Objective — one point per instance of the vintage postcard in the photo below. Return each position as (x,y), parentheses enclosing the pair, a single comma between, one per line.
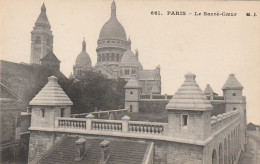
(119,81)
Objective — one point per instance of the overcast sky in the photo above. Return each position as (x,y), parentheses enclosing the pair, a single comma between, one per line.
(210,47)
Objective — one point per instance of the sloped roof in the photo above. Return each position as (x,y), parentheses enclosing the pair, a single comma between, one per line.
(232,83)
(148,75)
(50,57)
(189,97)
(5,92)
(26,80)
(133,83)
(121,151)
(51,94)
(42,20)
(208,90)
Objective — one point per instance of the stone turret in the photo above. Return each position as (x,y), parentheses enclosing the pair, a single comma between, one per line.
(189,111)
(49,103)
(132,93)
(234,100)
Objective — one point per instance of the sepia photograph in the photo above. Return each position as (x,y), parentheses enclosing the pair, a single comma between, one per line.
(129,82)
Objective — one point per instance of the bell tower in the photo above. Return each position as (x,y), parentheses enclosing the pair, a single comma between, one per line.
(41,38)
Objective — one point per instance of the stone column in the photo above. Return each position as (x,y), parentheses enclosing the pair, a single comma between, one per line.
(125,120)
(89,118)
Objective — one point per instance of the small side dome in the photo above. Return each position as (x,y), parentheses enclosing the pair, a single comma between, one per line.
(129,58)
(83,59)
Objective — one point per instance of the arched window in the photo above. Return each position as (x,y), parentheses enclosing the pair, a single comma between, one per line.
(214,157)
(113,57)
(225,151)
(38,39)
(107,56)
(220,154)
(133,72)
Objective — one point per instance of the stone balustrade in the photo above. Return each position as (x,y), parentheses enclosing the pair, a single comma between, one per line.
(147,127)
(70,123)
(217,122)
(121,126)
(155,97)
(106,125)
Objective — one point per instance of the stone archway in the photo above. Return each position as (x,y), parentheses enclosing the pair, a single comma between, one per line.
(214,157)
(220,154)
(225,152)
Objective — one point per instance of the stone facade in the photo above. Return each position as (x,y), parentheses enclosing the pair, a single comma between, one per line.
(41,38)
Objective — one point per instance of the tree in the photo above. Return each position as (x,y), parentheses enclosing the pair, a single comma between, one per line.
(93,90)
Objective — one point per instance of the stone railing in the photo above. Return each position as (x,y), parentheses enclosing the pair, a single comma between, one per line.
(120,126)
(70,123)
(147,127)
(217,122)
(106,125)
(155,97)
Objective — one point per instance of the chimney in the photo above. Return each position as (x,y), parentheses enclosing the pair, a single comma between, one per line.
(81,149)
(105,154)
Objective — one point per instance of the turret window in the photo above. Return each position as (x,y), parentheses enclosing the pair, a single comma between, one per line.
(113,57)
(42,113)
(62,112)
(234,94)
(127,72)
(184,120)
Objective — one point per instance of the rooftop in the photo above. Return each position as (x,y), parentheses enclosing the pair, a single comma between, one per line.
(189,96)
(232,83)
(51,94)
(133,83)
(121,151)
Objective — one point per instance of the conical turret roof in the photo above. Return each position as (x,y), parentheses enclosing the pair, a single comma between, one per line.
(232,83)
(51,94)
(133,83)
(189,97)
(42,20)
(208,90)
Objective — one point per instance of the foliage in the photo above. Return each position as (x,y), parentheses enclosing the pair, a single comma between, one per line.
(92,90)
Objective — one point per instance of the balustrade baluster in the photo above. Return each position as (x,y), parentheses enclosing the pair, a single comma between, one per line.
(116,127)
(152,129)
(149,129)
(145,129)
(120,127)
(156,129)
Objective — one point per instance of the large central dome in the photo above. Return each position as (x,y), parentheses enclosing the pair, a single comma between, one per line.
(112,29)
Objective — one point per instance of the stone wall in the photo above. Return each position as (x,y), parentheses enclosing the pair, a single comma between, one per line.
(40,142)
